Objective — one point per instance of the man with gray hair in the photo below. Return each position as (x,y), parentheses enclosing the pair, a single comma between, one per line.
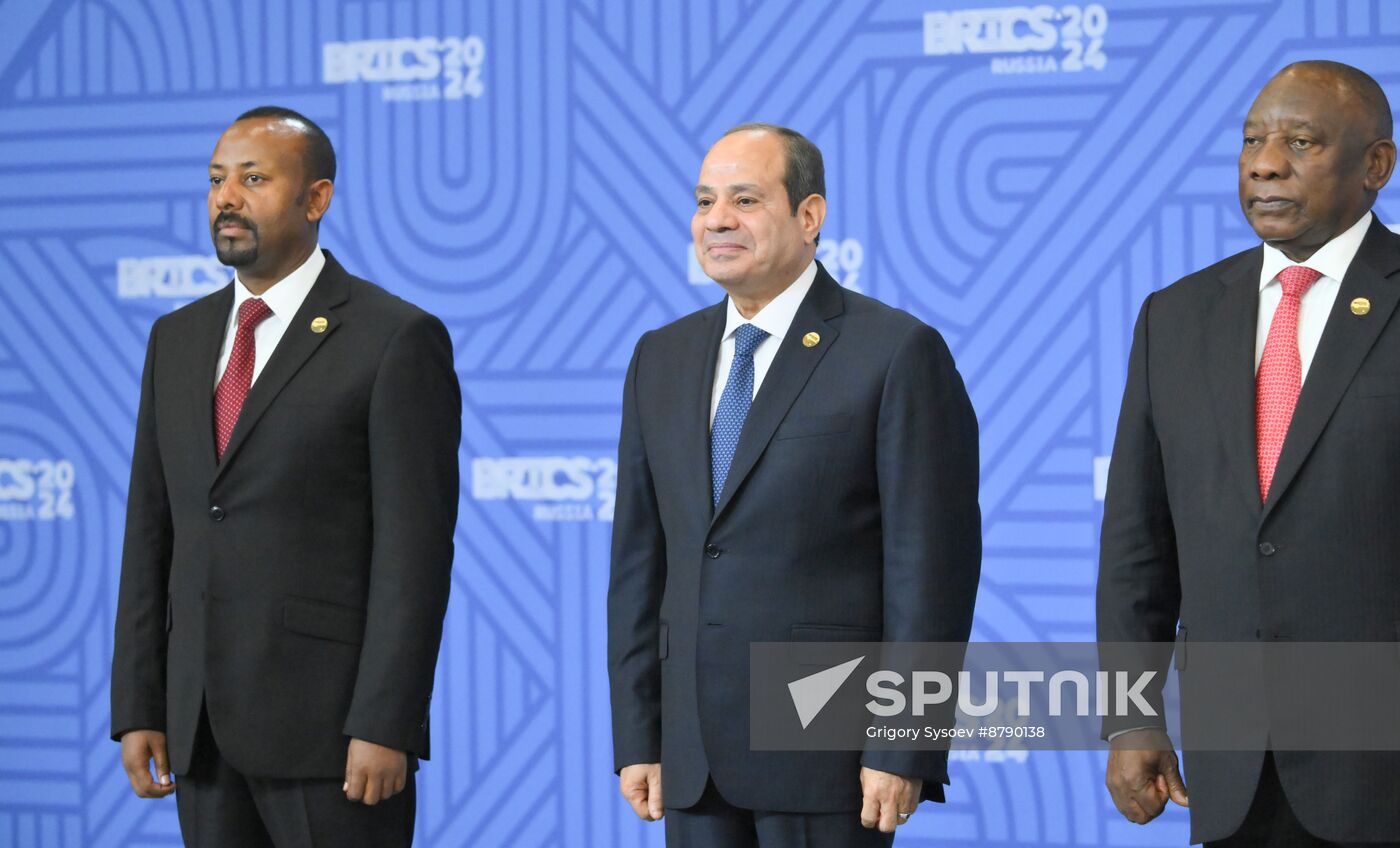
(1252,491)
(797,463)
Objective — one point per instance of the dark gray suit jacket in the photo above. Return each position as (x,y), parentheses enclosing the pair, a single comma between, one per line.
(1190,554)
(849,514)
(298,585)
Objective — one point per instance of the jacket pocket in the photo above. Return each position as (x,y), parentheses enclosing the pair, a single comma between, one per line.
(1179,652)
(807,648)
(663,641)
(324,620)
(813,425)
(834,633)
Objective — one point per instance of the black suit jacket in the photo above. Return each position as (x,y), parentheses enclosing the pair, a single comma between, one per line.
(1190,554)
(297,586)
(849,514)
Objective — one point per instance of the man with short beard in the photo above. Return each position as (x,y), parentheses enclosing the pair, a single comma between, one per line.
(289,526)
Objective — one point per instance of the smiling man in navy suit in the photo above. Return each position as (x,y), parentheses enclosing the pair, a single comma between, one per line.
(796,462)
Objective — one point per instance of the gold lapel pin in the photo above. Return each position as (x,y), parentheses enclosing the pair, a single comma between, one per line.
(811,340)
(1360,306)
(319,324)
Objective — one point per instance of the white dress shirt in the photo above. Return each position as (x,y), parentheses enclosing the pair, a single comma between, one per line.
(284,298)
(775,319)
(1331,260)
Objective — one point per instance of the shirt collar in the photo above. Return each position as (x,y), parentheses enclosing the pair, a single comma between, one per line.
(285,296)
(776,317)
(1330,260)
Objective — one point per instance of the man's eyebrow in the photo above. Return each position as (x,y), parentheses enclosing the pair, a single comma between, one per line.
(215,166)
(732,188)
(1296,123)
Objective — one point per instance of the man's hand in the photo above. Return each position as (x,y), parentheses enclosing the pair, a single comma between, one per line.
(374,773)
(641,786)
(1143,775)
(139,747)
(889,798)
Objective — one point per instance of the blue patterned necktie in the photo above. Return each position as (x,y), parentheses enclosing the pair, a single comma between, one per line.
(734,405)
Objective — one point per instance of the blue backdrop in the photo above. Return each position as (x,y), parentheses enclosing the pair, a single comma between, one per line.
(1020,178)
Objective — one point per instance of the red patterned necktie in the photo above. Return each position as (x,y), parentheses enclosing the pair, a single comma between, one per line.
(238,374)
(1280,377)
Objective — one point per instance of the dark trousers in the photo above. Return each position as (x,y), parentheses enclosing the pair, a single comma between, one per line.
(1271,822)
(220,808)
(714,823)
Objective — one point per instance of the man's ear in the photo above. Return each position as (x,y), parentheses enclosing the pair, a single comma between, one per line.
(318,199)
(812,212)
(1380,163)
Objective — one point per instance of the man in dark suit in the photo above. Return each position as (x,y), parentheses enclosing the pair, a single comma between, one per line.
(289,526)
(796,462)
(1252,489)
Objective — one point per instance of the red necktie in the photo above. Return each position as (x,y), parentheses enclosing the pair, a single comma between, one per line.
(238,374)
(1280,375)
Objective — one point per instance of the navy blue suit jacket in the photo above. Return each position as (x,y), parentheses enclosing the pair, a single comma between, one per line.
(849,514)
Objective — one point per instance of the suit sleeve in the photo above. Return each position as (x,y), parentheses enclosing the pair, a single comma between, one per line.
(1139,589)
(139,643)
(927,465)
(634,593)
(415,421)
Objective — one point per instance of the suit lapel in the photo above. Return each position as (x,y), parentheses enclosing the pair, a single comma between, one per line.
(1230,343)
(204,366)
(784,381)
(1346,339)
(298,343)
(695,416)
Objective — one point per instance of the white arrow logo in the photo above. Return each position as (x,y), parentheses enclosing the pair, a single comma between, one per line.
(811,693)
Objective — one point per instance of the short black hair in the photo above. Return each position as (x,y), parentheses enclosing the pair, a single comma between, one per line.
(803,172)
(1361,84)
(320,155)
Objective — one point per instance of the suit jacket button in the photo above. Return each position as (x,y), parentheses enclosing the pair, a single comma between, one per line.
(216,513)
(712,551)
(1267,548)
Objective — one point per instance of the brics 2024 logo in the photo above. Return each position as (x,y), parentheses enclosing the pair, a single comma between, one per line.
(36,489)
(1030,39)
(187,277)
(426,68)
(563,488)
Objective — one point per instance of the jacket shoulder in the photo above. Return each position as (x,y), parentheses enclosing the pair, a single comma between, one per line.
(383,305)
(1205,281)
(879,315)
(683,331)
(884,330)
(214,304)
(691,322)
